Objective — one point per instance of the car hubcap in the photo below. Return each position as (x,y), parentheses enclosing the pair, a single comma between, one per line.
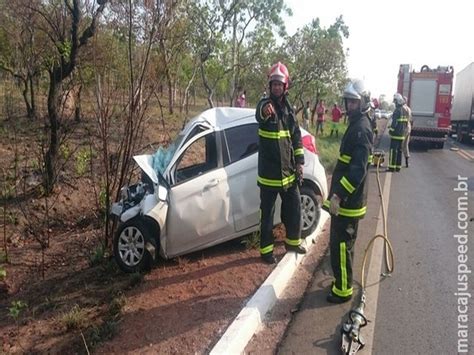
(308,211)
(131,246)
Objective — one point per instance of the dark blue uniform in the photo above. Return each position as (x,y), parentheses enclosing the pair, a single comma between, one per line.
(280,149)
(349,182)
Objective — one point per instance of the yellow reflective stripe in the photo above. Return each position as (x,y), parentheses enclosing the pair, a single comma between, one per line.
(293,242)
(345,158)
(276,183)
(348,212)
(342,258)
(352,212)
(371,159)
(402,120)
(299,151)
(347,185)
(340,293)
(266,250)
(273,135)
(398,138)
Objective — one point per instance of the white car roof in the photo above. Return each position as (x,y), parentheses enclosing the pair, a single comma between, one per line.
(224,117)
(220,118)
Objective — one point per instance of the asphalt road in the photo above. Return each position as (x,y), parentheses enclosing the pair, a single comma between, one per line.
(416,310)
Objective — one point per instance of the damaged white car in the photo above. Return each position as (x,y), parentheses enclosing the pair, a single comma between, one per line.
(203,191)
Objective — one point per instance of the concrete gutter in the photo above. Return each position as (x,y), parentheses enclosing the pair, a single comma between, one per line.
(248,321)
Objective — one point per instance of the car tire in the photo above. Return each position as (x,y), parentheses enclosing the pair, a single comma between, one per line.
(133,246)
(310,210)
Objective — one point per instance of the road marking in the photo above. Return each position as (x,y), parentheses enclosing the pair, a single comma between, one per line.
(465,154)
(374,272)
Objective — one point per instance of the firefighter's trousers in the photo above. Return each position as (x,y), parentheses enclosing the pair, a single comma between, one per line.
(395,156)
(290,216)
(405,148)
(342,239)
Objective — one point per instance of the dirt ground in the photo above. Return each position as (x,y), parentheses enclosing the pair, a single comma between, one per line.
(182,306)
(70,297)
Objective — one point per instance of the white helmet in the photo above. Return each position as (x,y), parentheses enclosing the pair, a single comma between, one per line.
(356,90)
(398,99)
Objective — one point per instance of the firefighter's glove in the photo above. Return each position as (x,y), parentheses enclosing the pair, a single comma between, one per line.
(299,174)
(268,111)
(334,205)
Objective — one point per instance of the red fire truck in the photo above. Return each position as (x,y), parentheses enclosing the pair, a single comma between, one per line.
(429,94)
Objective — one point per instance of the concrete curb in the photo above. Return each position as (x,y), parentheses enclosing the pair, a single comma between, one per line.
(247,322)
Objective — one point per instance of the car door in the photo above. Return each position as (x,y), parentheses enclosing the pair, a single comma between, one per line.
(199,213)
(241,160)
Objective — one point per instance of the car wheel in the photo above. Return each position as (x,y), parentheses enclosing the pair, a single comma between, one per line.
(133,246)
(310,210)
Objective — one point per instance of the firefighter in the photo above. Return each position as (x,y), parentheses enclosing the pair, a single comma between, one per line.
(406,141)
(397,133)
(348,192)
(280,164)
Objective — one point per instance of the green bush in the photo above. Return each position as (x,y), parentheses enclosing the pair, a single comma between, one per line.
(83,159)
(16,308)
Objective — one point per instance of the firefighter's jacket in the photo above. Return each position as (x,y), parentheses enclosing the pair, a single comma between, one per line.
(399,124)
(350,174)
(280,147)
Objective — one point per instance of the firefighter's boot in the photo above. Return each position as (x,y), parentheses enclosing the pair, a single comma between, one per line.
(269,258)
(406,162)
(332,298)
(299,249)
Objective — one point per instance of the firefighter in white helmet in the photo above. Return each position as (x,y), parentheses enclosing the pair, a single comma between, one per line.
(280,164)
(406,141)
(348,192)
(397,132)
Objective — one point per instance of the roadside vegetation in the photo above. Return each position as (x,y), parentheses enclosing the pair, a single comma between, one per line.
(86,85)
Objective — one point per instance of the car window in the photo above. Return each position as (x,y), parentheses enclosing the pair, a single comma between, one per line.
(242,141)
(199,158)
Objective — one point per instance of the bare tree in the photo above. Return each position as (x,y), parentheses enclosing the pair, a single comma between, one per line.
(22,50)
(119,144)
(69,32)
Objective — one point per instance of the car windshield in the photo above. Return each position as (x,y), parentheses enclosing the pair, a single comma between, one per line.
(163,155)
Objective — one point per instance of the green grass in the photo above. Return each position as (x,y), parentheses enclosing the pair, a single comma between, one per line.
(328,147)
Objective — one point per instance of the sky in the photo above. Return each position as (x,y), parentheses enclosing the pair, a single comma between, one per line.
(384,34)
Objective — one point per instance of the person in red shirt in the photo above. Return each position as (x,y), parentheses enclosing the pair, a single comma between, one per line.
(320,109)
(336,114)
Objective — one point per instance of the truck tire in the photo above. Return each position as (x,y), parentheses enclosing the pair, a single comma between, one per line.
(459,135)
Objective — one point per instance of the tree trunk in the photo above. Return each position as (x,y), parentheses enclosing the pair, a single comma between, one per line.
(24,94)
(53,148)
(32,96)
(77,110)
(207,86)
(233,81)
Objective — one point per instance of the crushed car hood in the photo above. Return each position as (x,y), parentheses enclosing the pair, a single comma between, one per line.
(145,162)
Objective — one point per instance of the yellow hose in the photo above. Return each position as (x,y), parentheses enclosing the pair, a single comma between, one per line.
(389,258)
